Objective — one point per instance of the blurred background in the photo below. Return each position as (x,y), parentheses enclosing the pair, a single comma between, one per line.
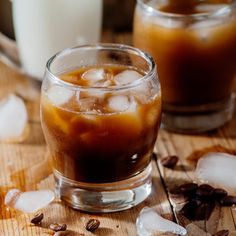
(117,16)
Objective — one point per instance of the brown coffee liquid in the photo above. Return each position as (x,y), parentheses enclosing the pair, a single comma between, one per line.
(188,7)
(196,59)
(101,145)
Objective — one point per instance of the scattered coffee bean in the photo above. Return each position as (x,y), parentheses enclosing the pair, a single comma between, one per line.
(37,219)
(189,188)
(204,191)
(58,227)
(221,233)
(92,225)
(228,201)
(219,193)
(197,210)
(169,161)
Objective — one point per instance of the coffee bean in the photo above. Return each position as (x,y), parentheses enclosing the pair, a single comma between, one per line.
(219,193)
(204,191)
(92,225)
(175,191)
(221,233)
(58,227)
(228,201)
(37,218)
(188,188)
(169,161)
(196,209)
(190,208)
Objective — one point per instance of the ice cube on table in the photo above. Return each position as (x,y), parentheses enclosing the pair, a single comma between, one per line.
(59,95)
(149,223)
(97,77)
(120,103)
(13,119)
(29,202)
(126,77)
(218,170)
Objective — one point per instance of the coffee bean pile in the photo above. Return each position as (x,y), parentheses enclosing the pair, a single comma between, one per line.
(201,200)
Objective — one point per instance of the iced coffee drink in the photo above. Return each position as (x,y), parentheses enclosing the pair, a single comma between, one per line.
(100,122)
(194,45)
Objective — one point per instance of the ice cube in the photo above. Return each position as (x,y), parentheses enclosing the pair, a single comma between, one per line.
(126,77)
(120,103)
(167,22)
(59,95)
(218,170)
(149,223)
(29,202)
(95,93)
(97,77)
(13,119)
(87,104)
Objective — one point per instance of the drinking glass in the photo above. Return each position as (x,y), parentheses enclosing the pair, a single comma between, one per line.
(101,138)
(194,46)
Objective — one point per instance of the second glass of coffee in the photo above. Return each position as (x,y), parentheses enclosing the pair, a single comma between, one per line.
(194,45)
(101,110)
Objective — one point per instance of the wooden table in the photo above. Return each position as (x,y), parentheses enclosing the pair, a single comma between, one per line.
(23,166)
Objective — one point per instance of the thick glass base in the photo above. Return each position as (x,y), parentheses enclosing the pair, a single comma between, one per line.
(198,119)
(109,197)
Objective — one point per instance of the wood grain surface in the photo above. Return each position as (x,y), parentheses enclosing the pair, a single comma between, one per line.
(25,166)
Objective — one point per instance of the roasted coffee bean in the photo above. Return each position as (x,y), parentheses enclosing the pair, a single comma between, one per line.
(190,208)
(92,225)
(169,161)
(189,188)
(204,191)
(228,201)
(221,233)
(58,227)
(175,191)
(37,219)
(219,193)
(197,210)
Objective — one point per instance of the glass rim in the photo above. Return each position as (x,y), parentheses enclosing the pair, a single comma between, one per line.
(105,46)
(205,15)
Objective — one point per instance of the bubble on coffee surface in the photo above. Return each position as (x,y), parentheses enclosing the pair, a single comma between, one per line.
(13,119)
(97,77)
(28,202)
(120,103)
(218,170)
(150,223)
(126,77)
(59,95)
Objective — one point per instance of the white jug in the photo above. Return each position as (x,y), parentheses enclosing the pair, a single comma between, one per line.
(44,27)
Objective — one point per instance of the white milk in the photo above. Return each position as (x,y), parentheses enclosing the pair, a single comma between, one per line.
(44,27)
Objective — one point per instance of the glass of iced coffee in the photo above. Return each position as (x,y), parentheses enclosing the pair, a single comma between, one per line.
(100,113)
(194,46)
